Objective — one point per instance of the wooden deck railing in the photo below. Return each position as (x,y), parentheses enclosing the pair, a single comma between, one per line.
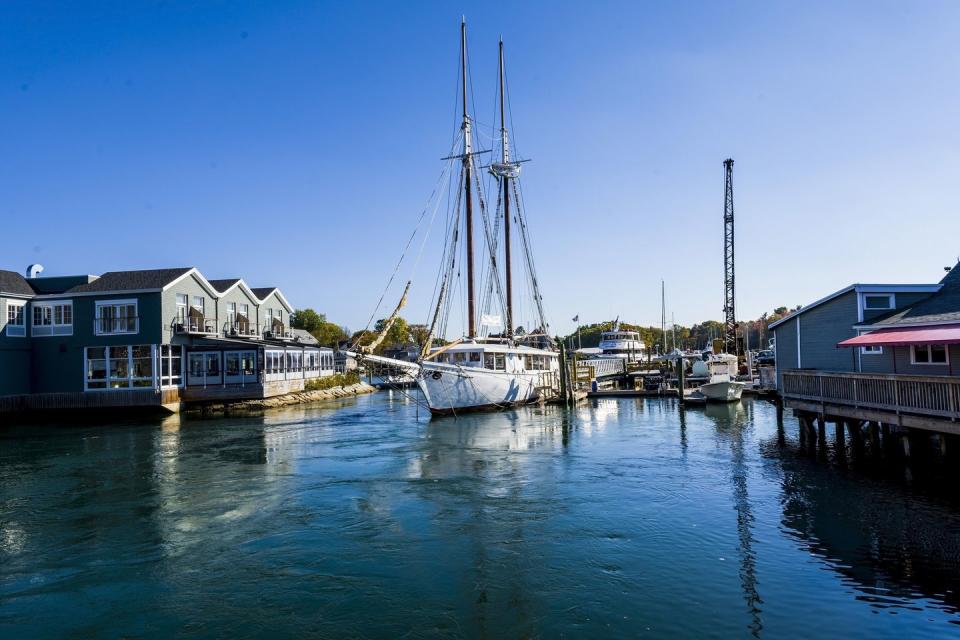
(922,395)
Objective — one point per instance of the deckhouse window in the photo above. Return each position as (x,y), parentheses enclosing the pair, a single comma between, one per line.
(929,354)
(16,319)
(116,316)
(53,318)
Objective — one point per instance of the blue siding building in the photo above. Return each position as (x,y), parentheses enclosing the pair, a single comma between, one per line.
(157,337)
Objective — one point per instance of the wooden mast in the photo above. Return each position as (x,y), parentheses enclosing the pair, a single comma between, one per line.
(506,203)
(467,177)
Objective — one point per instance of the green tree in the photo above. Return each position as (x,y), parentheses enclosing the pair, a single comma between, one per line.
(307,319)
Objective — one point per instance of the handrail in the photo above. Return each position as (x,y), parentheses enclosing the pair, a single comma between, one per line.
(899,393)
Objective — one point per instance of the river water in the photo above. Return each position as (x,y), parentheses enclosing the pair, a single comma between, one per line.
(364,519)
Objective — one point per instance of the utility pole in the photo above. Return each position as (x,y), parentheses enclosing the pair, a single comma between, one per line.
(729,287)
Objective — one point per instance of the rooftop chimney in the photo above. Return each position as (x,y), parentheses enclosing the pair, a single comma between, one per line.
(34,270)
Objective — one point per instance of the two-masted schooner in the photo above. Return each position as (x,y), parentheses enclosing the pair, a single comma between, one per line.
(480,370)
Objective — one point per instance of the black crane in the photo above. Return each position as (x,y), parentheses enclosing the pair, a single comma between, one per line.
(729,313)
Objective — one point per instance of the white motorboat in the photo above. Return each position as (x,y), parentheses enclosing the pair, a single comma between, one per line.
(621,343)
(479,371)
(722,385)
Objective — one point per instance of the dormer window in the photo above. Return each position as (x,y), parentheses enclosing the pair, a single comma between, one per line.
(878,302)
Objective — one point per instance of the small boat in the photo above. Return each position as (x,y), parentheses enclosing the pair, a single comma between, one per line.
(722,385)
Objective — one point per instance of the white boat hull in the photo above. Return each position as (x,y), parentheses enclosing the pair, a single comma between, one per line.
(450,389)
(727,391)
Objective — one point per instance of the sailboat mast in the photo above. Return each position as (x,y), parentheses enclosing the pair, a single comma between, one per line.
(505,157)
(663,314)
(467,179)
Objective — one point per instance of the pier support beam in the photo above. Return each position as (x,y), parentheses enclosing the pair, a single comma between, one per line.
(943,445)
(874,435)
(905,441)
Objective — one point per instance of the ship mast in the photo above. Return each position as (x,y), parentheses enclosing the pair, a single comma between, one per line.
(505,159)
(467,178)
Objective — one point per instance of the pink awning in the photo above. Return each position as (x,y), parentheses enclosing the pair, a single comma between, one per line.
(944,334)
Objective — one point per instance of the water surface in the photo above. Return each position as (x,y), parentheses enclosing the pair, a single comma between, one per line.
(364,519)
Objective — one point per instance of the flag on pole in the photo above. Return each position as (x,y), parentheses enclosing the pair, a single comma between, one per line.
(576,318)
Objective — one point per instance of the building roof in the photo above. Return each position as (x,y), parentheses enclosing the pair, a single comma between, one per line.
(940,308)
(133,280)
(15,284)
(224,285)
(303,336)
(859,288)
(263,292)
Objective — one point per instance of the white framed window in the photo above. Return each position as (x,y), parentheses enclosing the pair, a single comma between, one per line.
(52,318)
(171,365)
(16,318)
(871,350)
(932,354)
(878,301)
(120,367)
(244,310)
(231,313)
(198,303)
(182,304)
(116,316)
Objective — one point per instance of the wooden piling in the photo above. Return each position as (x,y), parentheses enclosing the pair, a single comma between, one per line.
(681,383)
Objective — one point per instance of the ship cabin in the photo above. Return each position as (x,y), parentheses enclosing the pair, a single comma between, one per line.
(498,357)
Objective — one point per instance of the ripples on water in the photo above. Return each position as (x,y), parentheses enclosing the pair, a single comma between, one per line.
(621,519)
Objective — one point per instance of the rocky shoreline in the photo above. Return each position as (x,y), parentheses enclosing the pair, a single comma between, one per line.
(299,397)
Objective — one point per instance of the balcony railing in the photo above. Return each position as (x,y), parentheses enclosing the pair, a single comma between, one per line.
(277,331)
(241,329)
(195,326)
(114,326)
(921,395)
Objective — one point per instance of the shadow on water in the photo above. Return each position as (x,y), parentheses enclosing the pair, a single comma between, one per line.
(889,526)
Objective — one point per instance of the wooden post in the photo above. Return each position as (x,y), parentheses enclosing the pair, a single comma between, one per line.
(943,445)
(564,383)
(838,433)
(821,429)
(905,440)
(874,435)
(680,379)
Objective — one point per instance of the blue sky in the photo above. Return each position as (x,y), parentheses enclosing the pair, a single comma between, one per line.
(295,143)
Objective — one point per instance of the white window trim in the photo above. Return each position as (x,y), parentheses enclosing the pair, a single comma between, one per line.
(22,305)
(165,381)
(889,296)
(871,350)
(53,325)
(130,378)
(913,355)
(100,304)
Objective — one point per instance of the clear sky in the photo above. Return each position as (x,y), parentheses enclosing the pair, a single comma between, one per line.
(295,143)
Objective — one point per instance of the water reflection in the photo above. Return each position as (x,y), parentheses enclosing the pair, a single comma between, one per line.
(621,518)
(732,420)
(890,543)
